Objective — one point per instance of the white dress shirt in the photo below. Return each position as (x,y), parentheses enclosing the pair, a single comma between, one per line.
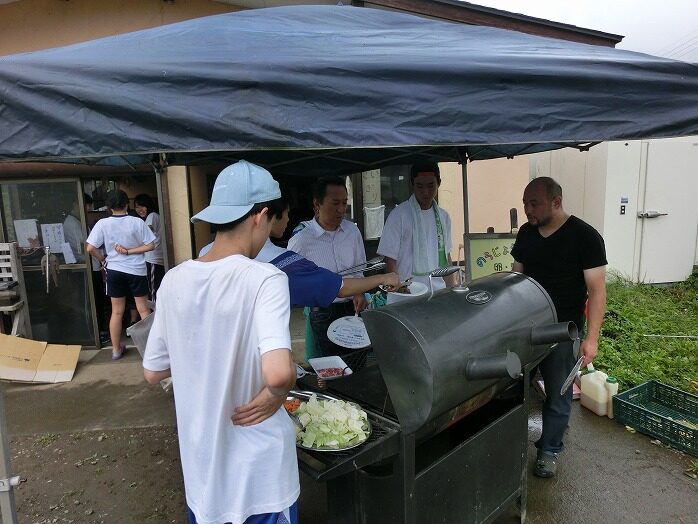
(334,250)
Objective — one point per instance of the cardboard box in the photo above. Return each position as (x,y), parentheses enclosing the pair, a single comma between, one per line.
(24,360)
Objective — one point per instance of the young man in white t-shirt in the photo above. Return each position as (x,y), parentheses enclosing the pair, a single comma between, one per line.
(221,331)
(416,238)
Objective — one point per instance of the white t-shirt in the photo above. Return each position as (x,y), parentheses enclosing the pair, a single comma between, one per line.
(155,225)
(396,241)
(213,323)
(127,231)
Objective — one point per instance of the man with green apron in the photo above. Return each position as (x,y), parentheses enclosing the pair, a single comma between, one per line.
(417,234)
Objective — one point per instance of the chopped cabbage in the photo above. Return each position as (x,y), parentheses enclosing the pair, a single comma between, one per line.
(330,424)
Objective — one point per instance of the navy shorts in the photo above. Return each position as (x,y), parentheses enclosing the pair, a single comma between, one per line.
(120,284)
(264,518)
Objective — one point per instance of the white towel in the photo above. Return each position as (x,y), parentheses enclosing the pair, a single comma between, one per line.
(420,260)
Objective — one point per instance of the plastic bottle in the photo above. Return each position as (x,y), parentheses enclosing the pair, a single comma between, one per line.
(594,395)
(611,389)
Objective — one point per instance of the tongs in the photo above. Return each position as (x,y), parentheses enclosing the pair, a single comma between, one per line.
(370,265)
(440,272)
(404,283)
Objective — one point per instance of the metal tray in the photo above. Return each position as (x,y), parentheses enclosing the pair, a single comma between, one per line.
(304,396)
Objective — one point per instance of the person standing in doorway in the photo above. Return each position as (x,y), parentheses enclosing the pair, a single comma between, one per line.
(155,262)
(221,330)
(335,243)
(567,257)
(125,239)
(416,238)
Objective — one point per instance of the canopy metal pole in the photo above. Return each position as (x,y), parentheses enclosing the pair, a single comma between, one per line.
(466,224)
(164,207)
(8,511)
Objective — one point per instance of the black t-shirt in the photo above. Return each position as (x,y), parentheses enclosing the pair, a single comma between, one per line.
(558,263)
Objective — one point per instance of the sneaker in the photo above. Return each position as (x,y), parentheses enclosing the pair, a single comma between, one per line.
(104,339)
(546,464)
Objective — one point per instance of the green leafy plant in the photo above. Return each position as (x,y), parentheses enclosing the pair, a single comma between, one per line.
(640,336)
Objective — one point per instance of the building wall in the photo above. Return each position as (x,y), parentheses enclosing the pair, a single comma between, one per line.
(494,187)
(179,212)
(29,25)
(582,176)
(451,199)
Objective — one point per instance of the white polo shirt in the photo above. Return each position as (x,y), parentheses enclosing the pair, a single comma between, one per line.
(334,250)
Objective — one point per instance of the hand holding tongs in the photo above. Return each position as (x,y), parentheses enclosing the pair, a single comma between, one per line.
(369,265)
(404,283)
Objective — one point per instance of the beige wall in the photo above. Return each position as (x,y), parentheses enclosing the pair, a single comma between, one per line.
(29,25)
(494,187)
(451,199)
(179,213)
(582,176)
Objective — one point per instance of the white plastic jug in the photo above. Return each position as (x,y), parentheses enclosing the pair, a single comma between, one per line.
(594,395)
(611,389)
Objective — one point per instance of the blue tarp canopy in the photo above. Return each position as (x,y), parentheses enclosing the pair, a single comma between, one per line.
(311,89)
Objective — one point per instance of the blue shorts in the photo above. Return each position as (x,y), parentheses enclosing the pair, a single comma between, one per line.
(265,518)
(120,284)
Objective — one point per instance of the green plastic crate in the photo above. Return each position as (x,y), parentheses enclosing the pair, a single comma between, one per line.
(661,411)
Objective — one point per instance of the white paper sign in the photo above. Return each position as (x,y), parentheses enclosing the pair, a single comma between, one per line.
(26,231)
(52,235)
(68,253)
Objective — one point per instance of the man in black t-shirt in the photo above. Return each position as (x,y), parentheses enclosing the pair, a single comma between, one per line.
(568,258)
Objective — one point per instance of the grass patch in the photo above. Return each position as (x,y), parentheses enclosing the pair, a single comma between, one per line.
(635,311)
(45,439)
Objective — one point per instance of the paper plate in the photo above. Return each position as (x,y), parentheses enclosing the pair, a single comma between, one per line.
(349,332)
(417,289)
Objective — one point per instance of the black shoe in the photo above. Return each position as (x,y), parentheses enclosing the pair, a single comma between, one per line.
(546,464)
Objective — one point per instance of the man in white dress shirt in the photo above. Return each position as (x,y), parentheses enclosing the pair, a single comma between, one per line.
(417,234)
(332,242)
